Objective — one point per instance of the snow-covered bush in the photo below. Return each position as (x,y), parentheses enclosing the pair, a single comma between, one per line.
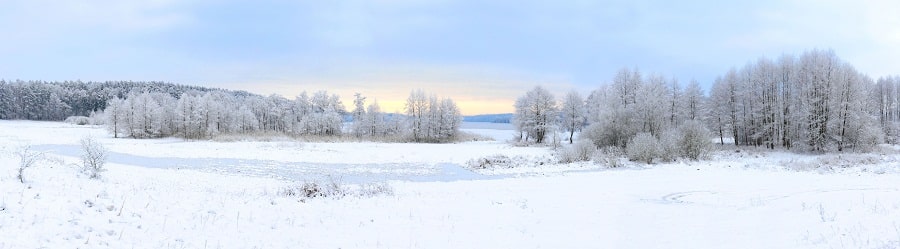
(643,147)
(609,156)
(375,189)
(503,161)
(97,118)
(492,161)
(78,120)
(868,138)
(27,158)
(93,157)
(670,145)
(606,133)
(694,142)
(314,189)
(331,188)
(581,151)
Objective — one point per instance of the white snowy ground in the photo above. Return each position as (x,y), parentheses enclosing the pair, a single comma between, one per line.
(746,199)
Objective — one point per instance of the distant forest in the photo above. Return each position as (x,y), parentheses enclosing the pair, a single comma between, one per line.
(55,101)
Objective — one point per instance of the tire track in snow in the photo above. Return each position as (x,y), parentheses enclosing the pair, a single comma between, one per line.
(677,197)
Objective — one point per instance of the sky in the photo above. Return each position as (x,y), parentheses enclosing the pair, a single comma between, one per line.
(482,54)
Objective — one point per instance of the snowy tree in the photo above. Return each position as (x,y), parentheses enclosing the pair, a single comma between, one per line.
(814,102)
(886,100)
(359,112)
(693,101)
(535,114)
(374,123)
(93,157)
(115,116)
(188,116)
(648,114)
(675,106)
(430,119)
(450,119)
(573,113)
(416,111)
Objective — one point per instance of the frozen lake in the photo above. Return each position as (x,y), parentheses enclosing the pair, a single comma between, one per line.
(344,172)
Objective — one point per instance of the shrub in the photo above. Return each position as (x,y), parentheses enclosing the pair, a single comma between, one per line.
(643,147)
(27,158)
(330,188)
(375,189)
(869,138)
(314,189)
(78,120)
(492,161)
(606,134)
(670,145)
(503,161)
(609,156)
(93,157)
(581,151)
(98,118)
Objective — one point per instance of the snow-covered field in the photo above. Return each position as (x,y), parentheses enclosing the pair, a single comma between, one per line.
(170,193)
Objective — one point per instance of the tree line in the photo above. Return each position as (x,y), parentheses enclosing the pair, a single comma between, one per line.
(55,101)
(203,115)
(160,109)
(811,102)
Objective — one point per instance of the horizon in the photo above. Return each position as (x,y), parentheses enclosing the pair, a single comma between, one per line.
(481,55)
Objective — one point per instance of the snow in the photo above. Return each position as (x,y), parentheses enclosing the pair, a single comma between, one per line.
(740,198)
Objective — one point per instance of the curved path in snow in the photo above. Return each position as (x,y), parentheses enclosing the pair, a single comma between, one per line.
(350,173)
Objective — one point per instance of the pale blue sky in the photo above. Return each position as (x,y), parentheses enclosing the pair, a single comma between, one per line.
(481,53)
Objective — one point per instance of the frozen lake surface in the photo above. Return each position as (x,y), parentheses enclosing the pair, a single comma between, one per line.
(344,172)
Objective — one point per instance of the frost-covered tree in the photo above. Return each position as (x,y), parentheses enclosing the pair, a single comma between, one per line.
(359,112)
(325,116)
(417,111)
(573,113)
(886,100)
(649,115)
(430,119)
(188,116)
(374,123)
(536,114)
(675,105)
(813,102)
(115,116)
(693,101)
(93,157)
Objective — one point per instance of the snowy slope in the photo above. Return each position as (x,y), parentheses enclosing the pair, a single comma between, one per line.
(738,200)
